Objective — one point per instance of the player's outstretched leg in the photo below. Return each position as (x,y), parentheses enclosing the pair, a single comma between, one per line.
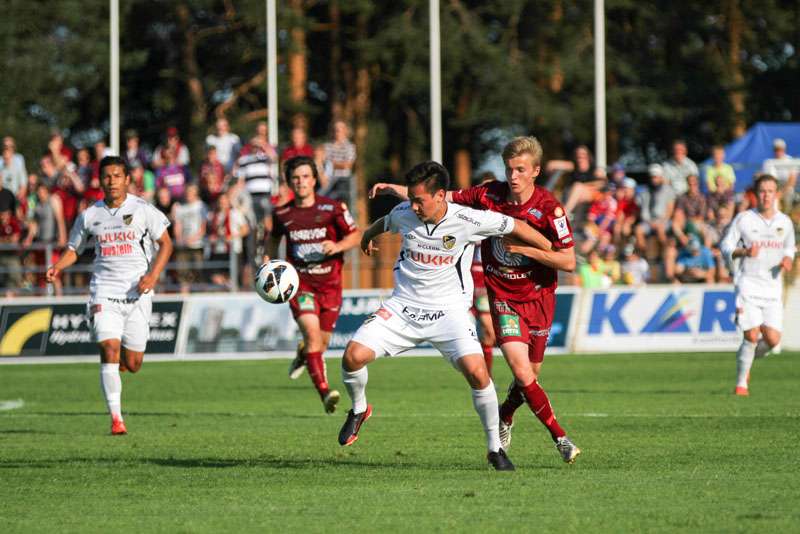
(744,361)
(514,399)
(111,384)
(540,405)
(349,432)
(299,363)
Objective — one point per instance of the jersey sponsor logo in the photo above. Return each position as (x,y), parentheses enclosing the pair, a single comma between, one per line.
(562,229)
(122,249)
(427,247)
(317,269)
(481,304)
(384,314)
(509,325)
(325,207)
(492,196)
(305,302)
(96,223)
(566,240)
(503,225)
(468,219)
(507,274)
(436,260)
(95,308)
(127,219)
(309,252)
(410,237)
(766,243)
(502,307)
(347,217)
(308,234)
(449,242)
(111,237)
(540,333)
(536,213)
(423,315)
(505,257)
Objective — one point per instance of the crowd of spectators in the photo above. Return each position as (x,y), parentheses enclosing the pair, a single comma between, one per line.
(218,207)
(666,230)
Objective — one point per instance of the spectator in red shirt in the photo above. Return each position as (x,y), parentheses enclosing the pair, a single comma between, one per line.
(627,211)
(10,234)
(212,177)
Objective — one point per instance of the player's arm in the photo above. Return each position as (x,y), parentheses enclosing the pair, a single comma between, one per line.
(529,235)
(148,281)
(560,258)
(375,229)
(331,247)
(273,243)
(68,257)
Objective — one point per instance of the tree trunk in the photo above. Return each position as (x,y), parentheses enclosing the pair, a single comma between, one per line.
(194,83)
(298,77)
(736,94)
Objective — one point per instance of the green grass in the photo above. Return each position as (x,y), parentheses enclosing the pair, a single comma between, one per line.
(238,447)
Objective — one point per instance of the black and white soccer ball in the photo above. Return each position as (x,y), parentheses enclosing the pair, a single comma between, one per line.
(277,281)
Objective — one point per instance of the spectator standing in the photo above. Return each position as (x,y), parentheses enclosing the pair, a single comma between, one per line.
(656,203)
(212,176)
(678,167)
(10,234)
(13,176)
(179,150)
(64,183)
(786,175)
(57,150)
(226,142)
(719,169)
(226,229)
(340,156)
(17,158)
(47,226)
(85,167)
(299,145)
(255,168)
(173,174)
(133,152)
(190,232)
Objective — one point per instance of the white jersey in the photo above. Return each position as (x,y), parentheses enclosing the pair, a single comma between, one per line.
(433,268)
(760,276)
(123,244)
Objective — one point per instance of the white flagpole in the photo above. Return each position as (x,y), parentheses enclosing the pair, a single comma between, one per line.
(114,79)
(436,83)
(600,84)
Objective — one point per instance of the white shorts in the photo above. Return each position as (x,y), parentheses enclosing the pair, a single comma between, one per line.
(125,319)
(752,312)
(395,328)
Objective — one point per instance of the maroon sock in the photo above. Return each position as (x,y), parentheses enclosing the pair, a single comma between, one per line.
(514,400)
(488,356)
(540,405)
(316,370)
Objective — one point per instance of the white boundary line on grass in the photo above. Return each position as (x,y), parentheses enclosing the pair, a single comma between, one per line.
(6,405)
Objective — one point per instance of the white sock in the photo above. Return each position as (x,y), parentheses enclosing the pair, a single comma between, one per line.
(762,349)
(744,361)
(112,388)
(485,402)
(356,384)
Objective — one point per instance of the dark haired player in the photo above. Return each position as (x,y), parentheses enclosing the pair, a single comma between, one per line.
(125,229)
(318,231)
(431,298)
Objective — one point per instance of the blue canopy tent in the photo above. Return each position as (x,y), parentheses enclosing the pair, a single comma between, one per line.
(747,154)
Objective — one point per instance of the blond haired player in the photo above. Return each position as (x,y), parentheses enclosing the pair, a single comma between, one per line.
(760,242)
(125,229)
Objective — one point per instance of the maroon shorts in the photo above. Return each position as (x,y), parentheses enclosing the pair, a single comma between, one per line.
(528,322)
(325,305)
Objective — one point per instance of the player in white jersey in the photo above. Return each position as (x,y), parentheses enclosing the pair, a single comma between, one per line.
(761,244)
(431,297)
(125,229)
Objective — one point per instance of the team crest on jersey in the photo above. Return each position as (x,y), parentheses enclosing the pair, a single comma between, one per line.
(536,213)
(127,219)
(558,212)
(449,242)
(780,231)
(318,219)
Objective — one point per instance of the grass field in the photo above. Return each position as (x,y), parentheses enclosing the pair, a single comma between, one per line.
(235,446)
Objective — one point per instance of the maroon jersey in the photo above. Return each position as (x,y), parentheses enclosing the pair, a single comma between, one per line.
(476,269)
(514,276)
(305,229)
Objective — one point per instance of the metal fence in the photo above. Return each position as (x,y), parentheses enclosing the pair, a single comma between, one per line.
(22,272)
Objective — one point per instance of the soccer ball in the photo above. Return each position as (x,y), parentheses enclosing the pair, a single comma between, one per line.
(276,281)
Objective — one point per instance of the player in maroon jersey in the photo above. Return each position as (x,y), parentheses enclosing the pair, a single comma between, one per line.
(521,280)
(318,231)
